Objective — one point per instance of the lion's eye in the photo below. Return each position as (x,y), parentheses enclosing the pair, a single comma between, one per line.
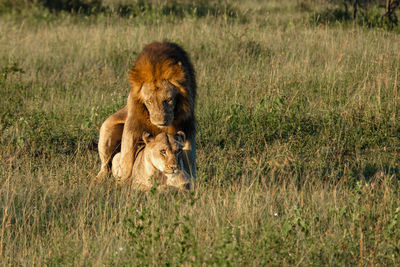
(170,101)
(163,152)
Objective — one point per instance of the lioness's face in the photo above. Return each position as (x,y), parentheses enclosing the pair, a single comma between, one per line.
(166,150)
(159,99)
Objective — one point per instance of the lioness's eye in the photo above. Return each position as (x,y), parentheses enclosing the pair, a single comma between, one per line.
(163,152)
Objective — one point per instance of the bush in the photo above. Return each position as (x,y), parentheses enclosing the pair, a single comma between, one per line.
(331,15)
(372,16)
(76,6)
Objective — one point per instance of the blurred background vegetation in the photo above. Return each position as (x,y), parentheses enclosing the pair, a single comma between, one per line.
(176,8)
(370,13)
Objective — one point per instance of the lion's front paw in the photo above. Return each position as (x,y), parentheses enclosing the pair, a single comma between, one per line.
(102,174)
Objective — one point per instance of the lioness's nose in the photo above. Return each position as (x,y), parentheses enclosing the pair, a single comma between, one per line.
(186,186)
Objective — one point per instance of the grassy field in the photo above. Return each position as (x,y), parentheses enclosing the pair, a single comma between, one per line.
(298,139)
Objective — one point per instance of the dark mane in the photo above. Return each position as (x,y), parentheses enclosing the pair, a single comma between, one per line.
(165,61)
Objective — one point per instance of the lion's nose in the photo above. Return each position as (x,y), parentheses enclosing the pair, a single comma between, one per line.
(160,121)
(173,168)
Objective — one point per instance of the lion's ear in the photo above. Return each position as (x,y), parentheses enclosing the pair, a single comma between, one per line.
(180,136)
(177,77)
(146,137)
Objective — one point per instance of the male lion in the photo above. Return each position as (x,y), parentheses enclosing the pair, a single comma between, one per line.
(161,100)
(159,159)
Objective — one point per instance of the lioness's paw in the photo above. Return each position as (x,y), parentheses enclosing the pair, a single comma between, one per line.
(116,166)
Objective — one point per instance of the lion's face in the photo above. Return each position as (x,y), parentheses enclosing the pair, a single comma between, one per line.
(165,151)
(160,99)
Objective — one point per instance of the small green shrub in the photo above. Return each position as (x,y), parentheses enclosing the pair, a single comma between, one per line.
(330,15)
(373,18)
(199,9)
(9,69)
(138,8)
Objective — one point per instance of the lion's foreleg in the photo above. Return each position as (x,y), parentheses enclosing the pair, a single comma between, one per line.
(189,157)
(128,144)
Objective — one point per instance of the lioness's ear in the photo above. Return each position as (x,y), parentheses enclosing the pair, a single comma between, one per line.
(146,137)
(180,136)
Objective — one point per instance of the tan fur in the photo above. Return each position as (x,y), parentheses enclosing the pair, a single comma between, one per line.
(160,159)
(161,100)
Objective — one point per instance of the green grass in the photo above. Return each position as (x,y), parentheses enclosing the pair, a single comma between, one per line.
(298,140)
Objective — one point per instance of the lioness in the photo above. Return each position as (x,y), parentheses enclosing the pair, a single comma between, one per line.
(160,159)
